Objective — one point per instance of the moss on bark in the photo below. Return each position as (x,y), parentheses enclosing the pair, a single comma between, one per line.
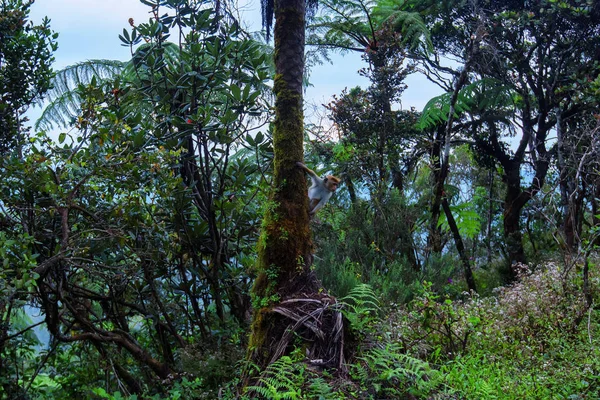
(285,248)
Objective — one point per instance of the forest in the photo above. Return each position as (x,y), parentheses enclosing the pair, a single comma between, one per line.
(160,245)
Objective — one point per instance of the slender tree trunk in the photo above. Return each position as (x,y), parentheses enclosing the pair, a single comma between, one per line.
(285,245)
(398,180)
(351,189)
(572,224)
(378,62)
(488,239)
(570,200)
(434,240)
(596,209)
(441,159)
(513,204)
(460,246)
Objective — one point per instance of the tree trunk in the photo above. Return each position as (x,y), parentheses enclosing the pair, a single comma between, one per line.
(351,189)
(596,210)
(285,247)
(572,224)
(434,240)
(460,246)
(513,204)
(488,231)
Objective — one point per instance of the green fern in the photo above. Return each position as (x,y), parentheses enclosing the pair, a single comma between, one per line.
(353,25)
(410,25)
(281,380)
(360,307)
(319,389)
(63,99)
(480,95)
(392,371)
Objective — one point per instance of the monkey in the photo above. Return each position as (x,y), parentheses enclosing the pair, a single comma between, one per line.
(321,190)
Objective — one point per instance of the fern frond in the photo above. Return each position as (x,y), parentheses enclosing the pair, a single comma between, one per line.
(59,112)
(346,25)
(320,389)
(413,30)
(361,299)
(480,95)
(389,365)
(360,307)
(281,380)
(63,100)
(82,73)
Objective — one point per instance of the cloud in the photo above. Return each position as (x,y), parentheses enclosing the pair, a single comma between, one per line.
(94,12)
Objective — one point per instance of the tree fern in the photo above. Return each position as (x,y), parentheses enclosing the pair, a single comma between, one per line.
(344,25)
(483,94)
(354,25)
(63,99)
(413,31)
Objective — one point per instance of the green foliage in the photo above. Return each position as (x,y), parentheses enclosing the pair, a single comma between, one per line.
(360,307)
(564,372)
(390,373)
(368,244)
(131,238)
(138,225)
(372,138)
(281,380)
(25,67)
(410,25)
(184,389)
(467,219)
(64,101)
(355,25)
(509,346)
(343,27)
(483,94)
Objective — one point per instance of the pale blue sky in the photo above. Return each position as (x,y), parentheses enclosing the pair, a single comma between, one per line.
(89,29)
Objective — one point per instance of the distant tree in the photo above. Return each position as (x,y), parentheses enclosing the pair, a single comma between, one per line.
(528,50)
(384,36)
(364,157)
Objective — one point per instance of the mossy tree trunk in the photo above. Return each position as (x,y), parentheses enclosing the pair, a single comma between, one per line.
(284,249)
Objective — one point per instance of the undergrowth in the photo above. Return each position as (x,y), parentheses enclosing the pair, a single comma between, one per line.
(536,339)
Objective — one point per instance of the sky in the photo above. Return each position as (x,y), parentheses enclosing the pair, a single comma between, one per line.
(89,29)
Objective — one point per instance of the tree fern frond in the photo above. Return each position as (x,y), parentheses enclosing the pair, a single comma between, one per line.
(60,112)
(483,94)
(413,30)
(346,25)
(82,73)
(63,101)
